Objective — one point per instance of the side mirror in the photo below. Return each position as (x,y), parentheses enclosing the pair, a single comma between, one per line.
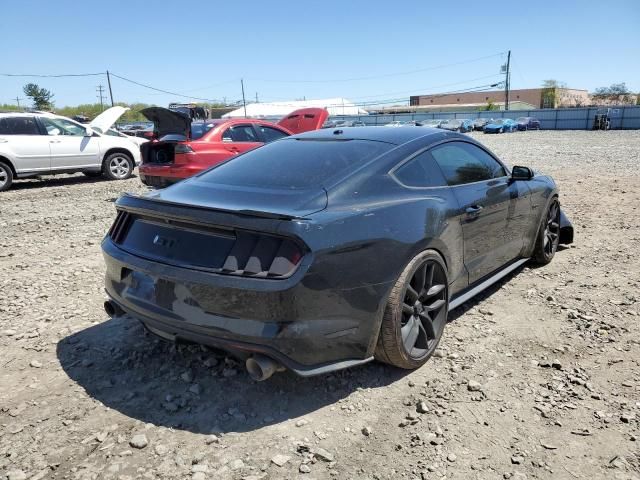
(88,132)
(521,173)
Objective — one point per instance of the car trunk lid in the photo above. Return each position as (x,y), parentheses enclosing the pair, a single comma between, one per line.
(167,122)
(248,200)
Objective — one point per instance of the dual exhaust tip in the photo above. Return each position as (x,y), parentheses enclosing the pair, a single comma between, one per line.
(260,367)
(113,309)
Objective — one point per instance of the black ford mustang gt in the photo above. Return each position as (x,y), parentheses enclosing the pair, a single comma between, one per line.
(331,248)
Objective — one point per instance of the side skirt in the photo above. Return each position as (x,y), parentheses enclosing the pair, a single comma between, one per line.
(459,300)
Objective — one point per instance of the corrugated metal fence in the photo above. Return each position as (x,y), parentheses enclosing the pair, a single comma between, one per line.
(550,119)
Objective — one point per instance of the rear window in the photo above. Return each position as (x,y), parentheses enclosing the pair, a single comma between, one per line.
(18,126)
(199,129)
(295,163)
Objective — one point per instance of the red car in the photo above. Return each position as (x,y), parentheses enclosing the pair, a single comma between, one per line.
(185,147)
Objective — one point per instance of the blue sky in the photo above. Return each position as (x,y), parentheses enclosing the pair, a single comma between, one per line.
(284,50)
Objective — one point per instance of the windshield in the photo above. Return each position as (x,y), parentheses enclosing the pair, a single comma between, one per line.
(199,129)
(498,122)
(295,163)
(522,119)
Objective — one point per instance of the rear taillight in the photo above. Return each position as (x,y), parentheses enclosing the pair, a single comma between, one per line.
(183,148)
(262,256)
(239,252)
(119,227)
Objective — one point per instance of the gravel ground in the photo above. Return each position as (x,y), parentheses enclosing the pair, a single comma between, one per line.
(538,378)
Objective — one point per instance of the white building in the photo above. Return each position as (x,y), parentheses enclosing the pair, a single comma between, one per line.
(335,106)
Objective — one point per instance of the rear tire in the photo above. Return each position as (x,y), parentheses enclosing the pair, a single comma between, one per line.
(416,313)
(117,166)
(6,177)
(548,235)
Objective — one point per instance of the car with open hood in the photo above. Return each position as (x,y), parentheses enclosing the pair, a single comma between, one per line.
(327,249)
(104,122)
(185,147)
(37,143)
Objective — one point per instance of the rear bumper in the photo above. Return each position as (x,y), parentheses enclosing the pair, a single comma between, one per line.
(175,172)
(157,182)
(306,329)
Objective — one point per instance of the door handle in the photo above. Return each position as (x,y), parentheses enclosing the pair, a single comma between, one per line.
(55,141)
(474,209)
(233,149)
(3,140)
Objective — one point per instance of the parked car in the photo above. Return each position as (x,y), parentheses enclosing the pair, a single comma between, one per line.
(501,125)
(142,131)
(461,125)
(348,123)
(43,143)
(479,123)
(328,249)
(435,123)
(185,147)
(528,123)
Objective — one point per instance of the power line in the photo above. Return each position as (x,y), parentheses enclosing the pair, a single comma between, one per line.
(386,75)
(415,90)
(161,90)
(51,76)
(434,87)
(403,99)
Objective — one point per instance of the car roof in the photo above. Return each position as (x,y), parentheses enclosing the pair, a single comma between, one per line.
(396,136)
(35,113)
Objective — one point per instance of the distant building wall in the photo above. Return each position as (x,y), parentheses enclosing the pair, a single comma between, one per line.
(538,97)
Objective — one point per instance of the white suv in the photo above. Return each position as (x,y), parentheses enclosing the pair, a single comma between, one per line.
(42,144)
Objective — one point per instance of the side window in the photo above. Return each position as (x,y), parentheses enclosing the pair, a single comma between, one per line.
(271,134)
(60,126)
(18,126)
(465,163)
(240,133)
(420,171)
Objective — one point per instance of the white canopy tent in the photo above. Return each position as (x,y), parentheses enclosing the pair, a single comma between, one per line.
(335,106)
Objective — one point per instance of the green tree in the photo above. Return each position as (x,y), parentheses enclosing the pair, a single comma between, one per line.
(615,93)
(551,95)
(490,106)
(42,98)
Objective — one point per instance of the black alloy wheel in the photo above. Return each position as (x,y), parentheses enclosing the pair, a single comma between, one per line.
(552,229)
(548,235)
(416,313)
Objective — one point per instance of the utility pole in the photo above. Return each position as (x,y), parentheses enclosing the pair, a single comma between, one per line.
(18,100)
(507,82)
(110,92)
(100,89)
(257,97)
(244,103)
